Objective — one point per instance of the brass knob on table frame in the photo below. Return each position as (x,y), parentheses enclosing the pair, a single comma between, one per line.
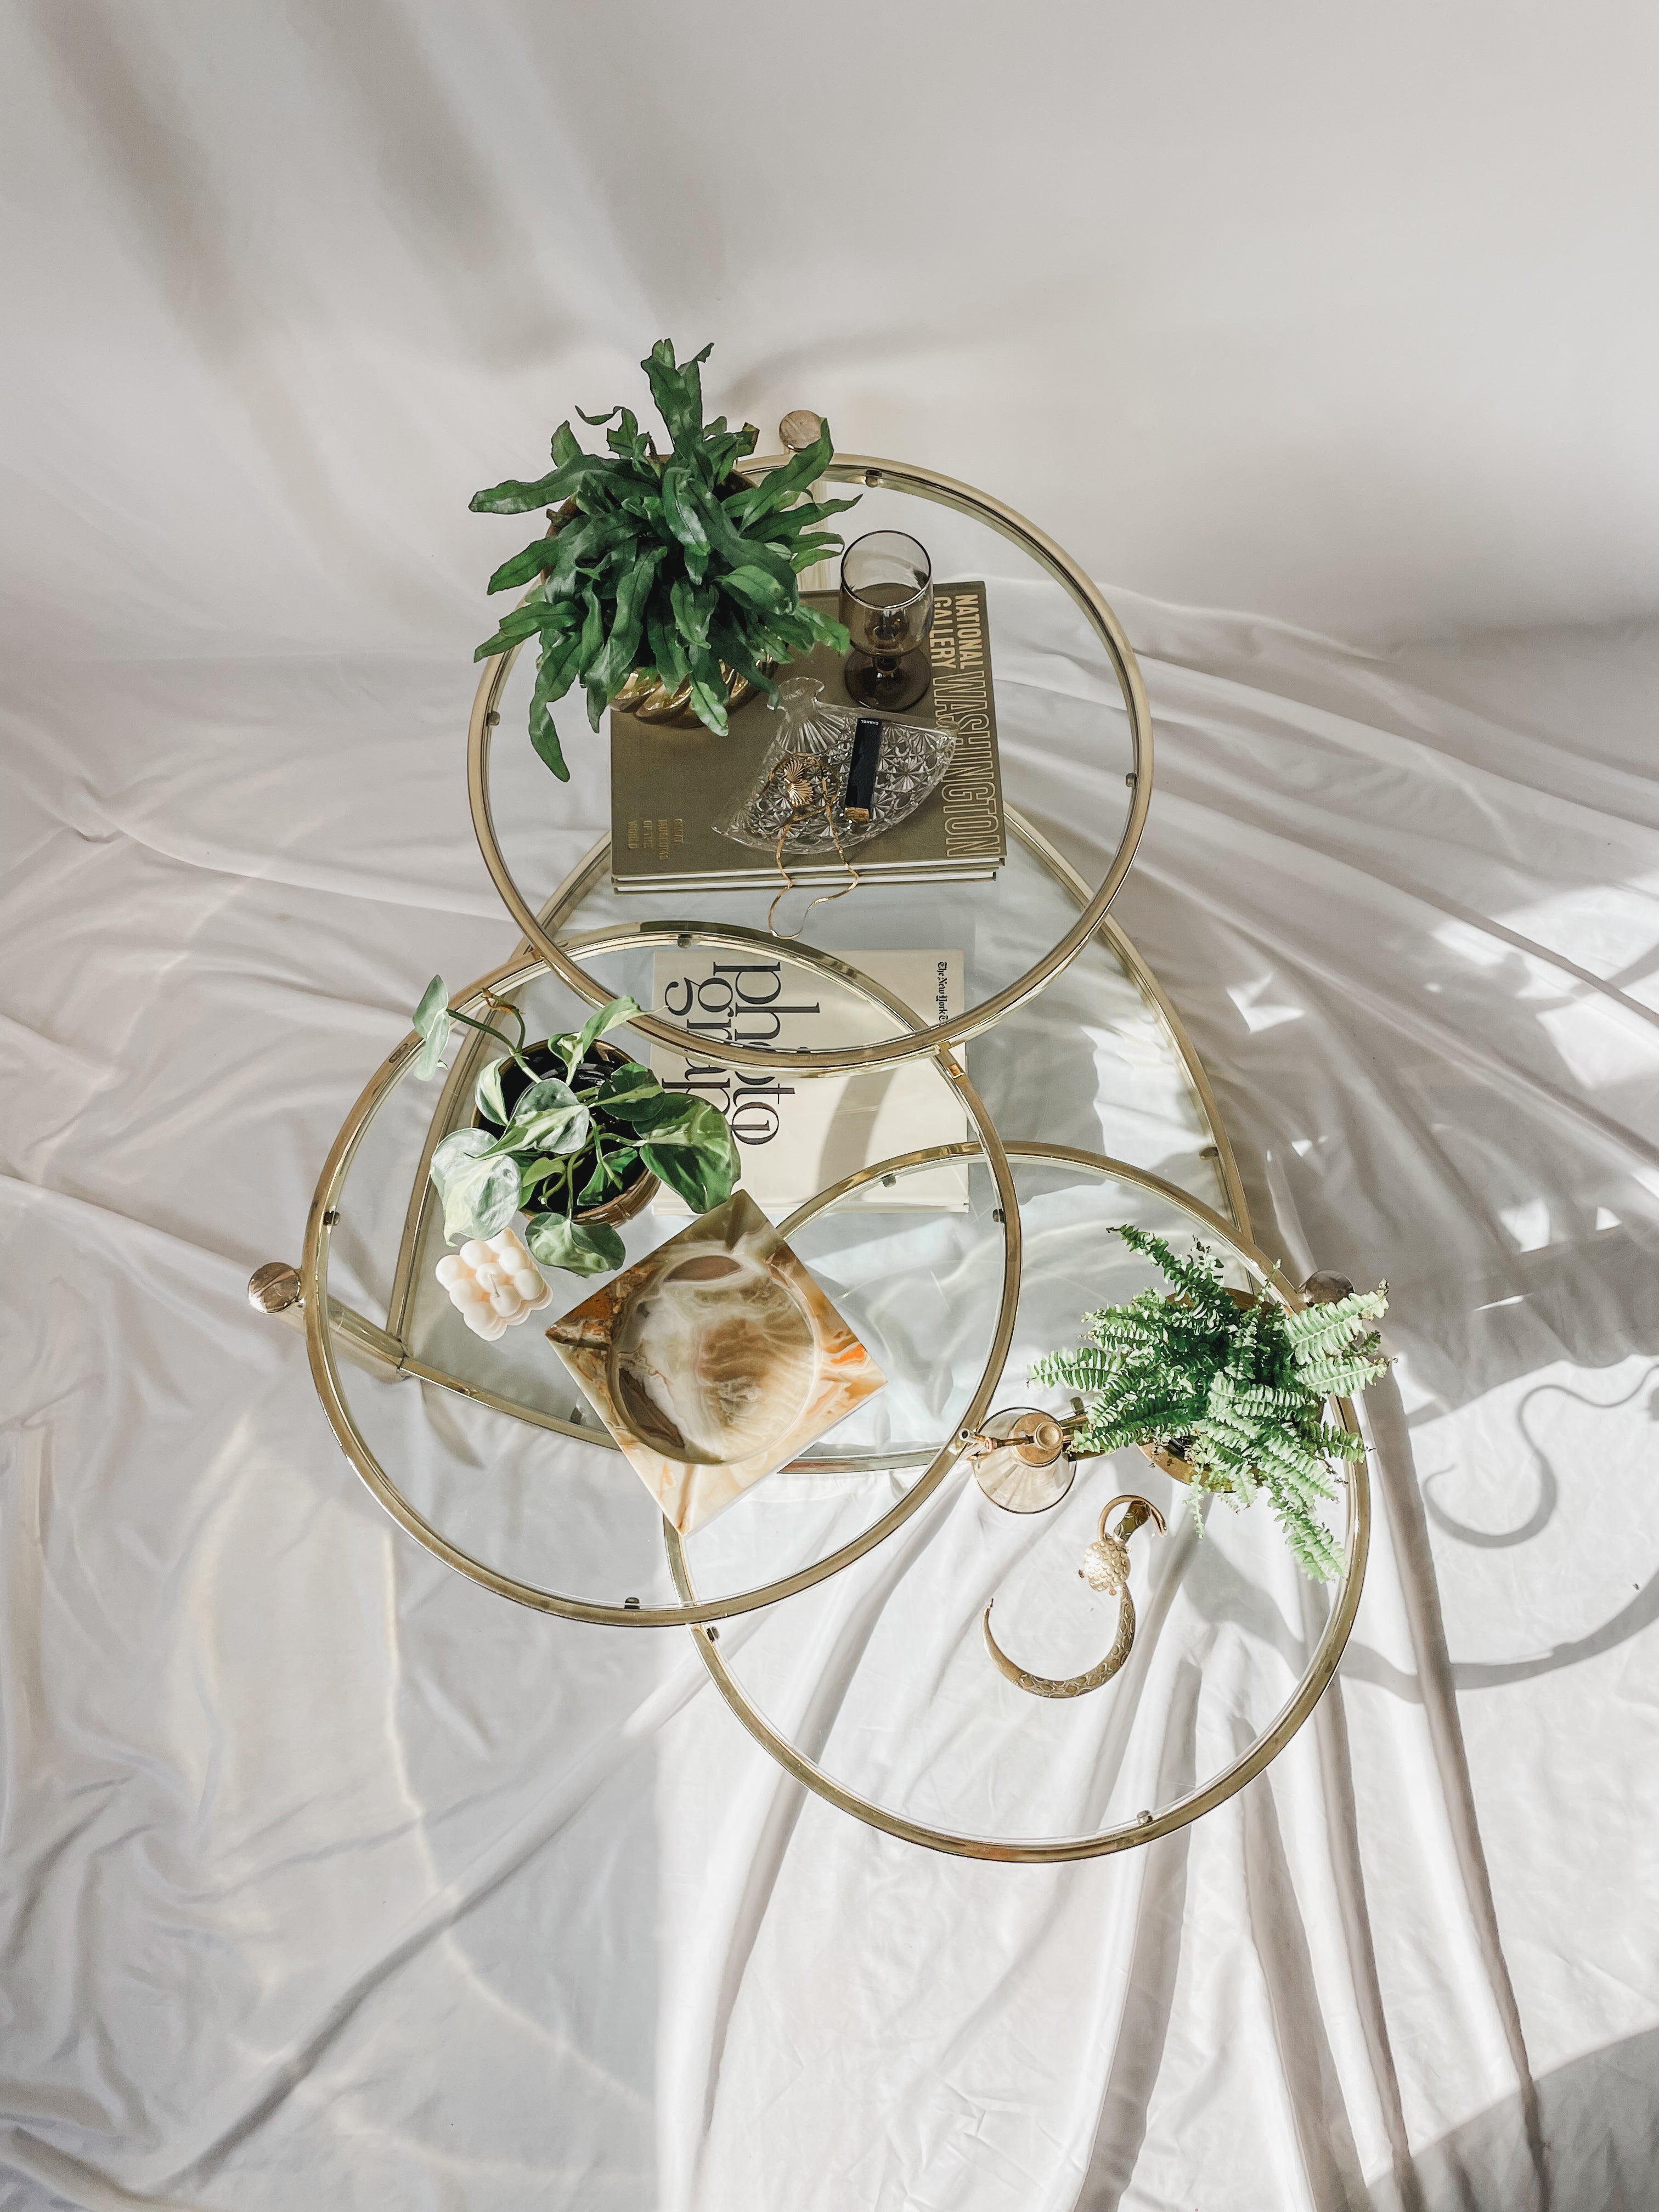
(274,1288)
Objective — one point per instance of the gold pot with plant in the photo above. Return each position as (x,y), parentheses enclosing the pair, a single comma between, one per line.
(668,583)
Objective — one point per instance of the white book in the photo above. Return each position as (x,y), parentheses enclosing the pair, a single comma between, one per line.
(797,1134)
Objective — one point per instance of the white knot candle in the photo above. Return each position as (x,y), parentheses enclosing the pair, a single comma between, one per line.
(493,1283)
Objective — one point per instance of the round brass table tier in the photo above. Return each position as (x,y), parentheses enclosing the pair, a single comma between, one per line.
(943,491)
(1153,1822)
(320,1332)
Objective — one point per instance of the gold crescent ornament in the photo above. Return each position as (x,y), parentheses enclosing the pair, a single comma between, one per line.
(1105,1567)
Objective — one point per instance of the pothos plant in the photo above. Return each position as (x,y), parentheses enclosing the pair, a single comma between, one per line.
(567,1142)
(668,564)
(1236,1388)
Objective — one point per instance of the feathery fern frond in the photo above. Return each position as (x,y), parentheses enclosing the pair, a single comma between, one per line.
(1200,1277)
(1336,1322)
(1339,1379)
(1086,1369)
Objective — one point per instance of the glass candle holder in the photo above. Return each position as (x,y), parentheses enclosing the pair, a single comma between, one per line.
(887,604)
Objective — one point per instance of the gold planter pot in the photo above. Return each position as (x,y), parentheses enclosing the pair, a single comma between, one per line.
(1167,1461)
(650,701)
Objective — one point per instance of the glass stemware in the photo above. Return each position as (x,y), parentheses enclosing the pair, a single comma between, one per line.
(887,604)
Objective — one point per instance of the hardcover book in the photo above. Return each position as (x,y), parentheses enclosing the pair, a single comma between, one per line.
(669,787)
(796,1135)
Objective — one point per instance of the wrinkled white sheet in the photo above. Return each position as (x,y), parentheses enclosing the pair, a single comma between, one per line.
(327,1879)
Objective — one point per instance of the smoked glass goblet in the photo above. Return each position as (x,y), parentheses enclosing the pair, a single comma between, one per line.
(887,604)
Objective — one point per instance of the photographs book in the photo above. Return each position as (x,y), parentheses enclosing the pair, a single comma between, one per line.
(669,787)
(798,1134)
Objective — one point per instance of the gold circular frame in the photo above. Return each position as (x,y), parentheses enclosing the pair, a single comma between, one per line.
(319,1337)
(1149,1824)
(542,953)
(941,1037)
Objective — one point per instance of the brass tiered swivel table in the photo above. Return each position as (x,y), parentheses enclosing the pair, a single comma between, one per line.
(851,1582)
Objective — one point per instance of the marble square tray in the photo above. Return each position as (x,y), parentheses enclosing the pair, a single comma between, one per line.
(715,1361)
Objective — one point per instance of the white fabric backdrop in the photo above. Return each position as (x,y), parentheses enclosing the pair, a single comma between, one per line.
(328,1879)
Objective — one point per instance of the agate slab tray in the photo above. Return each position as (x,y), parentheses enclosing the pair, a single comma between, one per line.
(713,1361)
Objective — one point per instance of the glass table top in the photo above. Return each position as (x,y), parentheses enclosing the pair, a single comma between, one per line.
(877,1687)
(1065,685)
(922,1287)
(1088,1063)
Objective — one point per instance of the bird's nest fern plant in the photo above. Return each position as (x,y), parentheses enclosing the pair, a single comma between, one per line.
(673,565)
(1234,1387)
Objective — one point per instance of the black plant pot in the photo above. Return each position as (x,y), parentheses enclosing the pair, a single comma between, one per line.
(602,1059)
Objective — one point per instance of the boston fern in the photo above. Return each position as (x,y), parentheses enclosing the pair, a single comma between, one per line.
(554,1144)
(668,563)
(1234,1387)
